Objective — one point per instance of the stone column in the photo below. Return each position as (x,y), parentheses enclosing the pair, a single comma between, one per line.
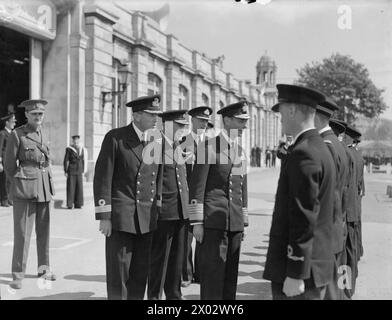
(99,77)
(172,86)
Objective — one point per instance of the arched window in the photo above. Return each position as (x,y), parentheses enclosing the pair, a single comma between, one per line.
(265,75)
(205,99)
(154,84)
(183,99)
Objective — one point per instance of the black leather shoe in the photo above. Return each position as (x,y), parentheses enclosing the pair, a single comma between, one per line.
(47,276)
(16,284)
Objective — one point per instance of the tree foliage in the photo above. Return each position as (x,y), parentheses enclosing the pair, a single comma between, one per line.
(380,129)
(347,82)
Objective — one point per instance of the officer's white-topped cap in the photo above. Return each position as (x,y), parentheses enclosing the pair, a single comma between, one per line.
(34,105)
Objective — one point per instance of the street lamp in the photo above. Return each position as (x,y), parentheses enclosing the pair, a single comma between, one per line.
(123,73)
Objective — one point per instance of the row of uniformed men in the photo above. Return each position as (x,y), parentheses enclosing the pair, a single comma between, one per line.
(145,210)
(315,237)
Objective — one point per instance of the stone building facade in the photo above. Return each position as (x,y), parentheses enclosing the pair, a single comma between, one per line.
(104,54)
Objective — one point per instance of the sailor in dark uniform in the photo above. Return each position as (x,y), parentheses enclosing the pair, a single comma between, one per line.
(300,255)
(200,118)
(75,165)
(356,192)
(127,195)
(27,163)
(219,205)
(9,125)
(324,112)
(168,244)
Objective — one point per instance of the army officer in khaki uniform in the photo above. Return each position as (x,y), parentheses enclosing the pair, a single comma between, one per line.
(27,163)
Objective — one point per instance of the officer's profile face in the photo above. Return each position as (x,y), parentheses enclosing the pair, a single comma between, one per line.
(232,123)
(145,120)
(287,112)
(35,118)
(199,124)
(10,124)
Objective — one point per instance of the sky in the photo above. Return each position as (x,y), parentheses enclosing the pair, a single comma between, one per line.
(291,32)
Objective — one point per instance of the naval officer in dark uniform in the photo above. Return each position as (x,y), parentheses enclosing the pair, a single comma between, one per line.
(200,118)
(75,165)
(27,163)
(300,256)
(168,244)
(9,125)
(324,112)
(361,190)
(349,255)
(219,205)
(126,196)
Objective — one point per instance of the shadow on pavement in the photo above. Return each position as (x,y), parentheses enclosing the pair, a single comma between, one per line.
(68,296)
(9,275)
(255,275)
(81,277)
(251,262)
(255,290)
(261,247)
(253,254)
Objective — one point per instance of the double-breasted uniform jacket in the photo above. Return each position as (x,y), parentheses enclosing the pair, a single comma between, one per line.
(359,165)
(352,190)
(74,161)
(127,189)
(189,146)
(300,244)
(175,197)
(341,165)
(218,190)
(4,135)
(27,163)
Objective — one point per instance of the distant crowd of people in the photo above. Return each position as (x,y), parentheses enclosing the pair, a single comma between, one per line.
(268,157)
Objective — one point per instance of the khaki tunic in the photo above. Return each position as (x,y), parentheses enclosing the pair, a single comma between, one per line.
(27,163)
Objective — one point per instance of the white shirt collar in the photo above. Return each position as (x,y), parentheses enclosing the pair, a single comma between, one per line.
(300,133)
(324,129)
(140,134)
(8,130)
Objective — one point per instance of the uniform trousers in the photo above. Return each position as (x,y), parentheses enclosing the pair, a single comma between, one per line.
(311,293)
(352,255)
(127,261)
(25,214)
(219,259)
(334,290)
(191,264)
(359,237)
(74,190)
(167,255)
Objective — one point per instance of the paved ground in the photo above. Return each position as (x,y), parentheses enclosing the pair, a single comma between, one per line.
(77,248)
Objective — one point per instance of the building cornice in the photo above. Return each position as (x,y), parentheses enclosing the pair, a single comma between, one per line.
(100,13)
